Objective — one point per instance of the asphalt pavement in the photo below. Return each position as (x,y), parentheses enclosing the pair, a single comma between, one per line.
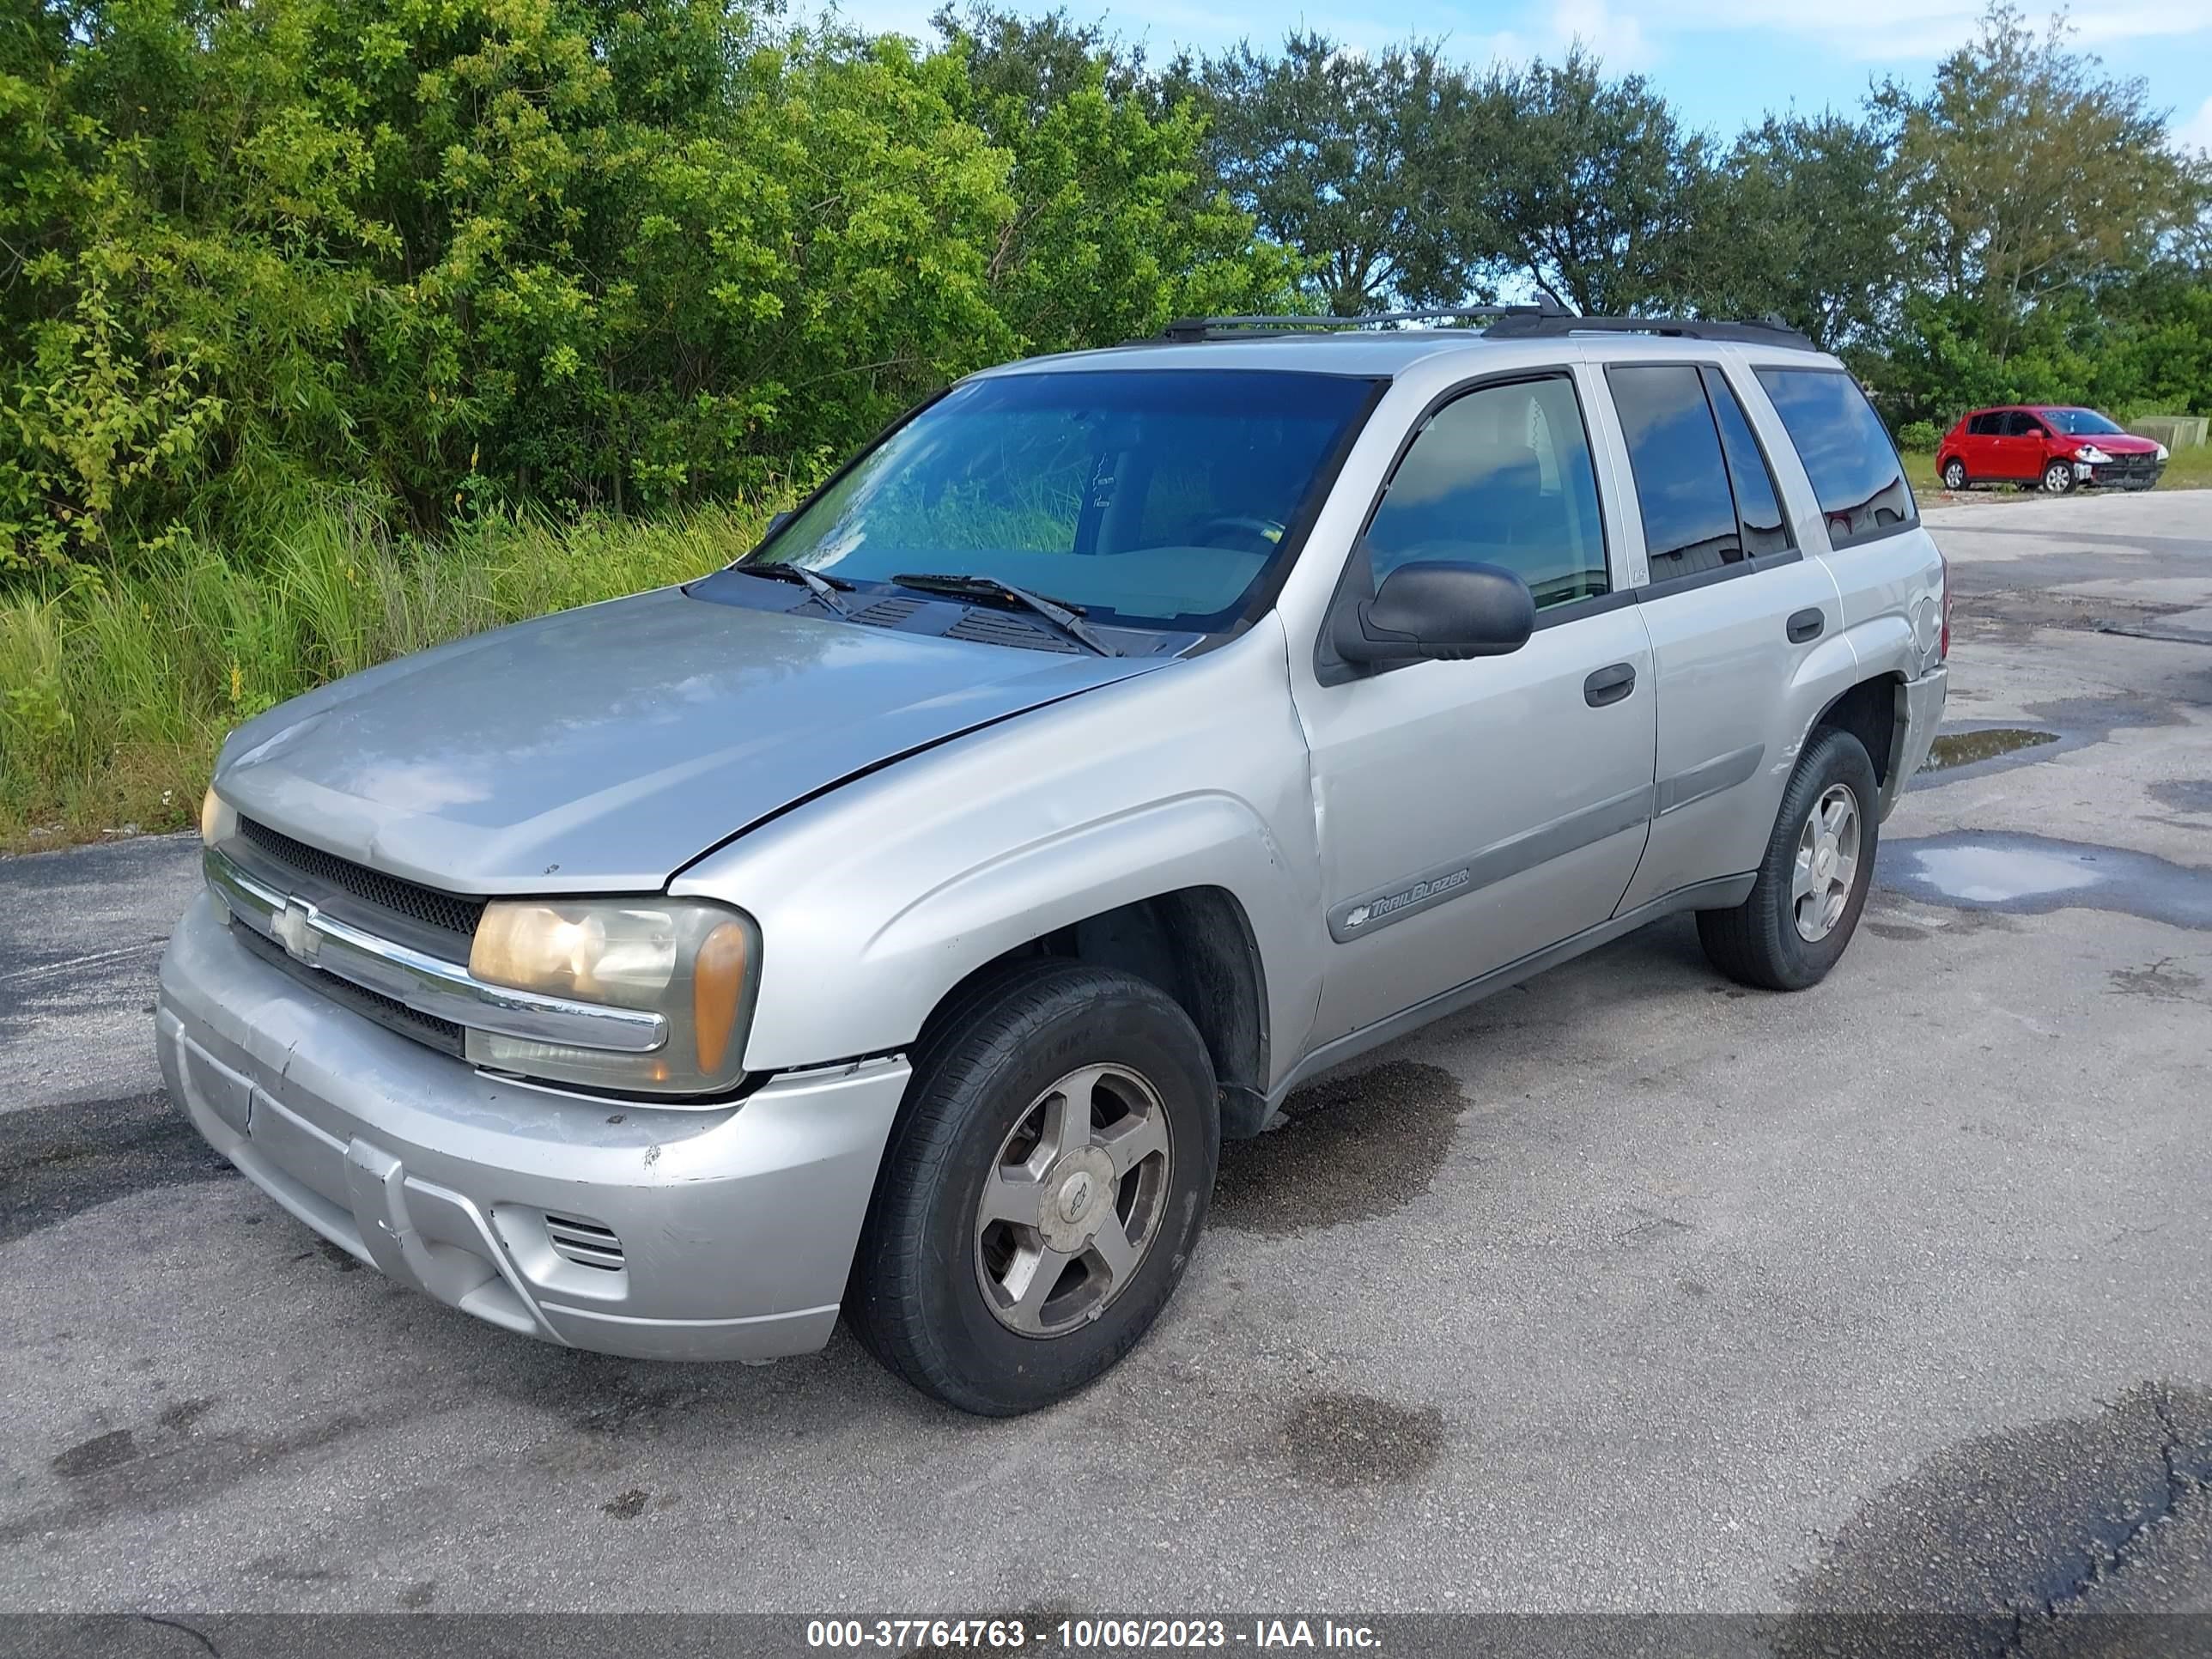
(1629,1289)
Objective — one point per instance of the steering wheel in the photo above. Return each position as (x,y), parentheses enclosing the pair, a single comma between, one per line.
(1248,535)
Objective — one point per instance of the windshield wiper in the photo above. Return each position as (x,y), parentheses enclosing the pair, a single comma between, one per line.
(824,588)
(1067,618)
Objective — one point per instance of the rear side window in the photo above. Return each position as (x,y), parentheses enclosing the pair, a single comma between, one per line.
(1985,426)
(1501,476)
(1857,476)
(1681,476)
(1757,507)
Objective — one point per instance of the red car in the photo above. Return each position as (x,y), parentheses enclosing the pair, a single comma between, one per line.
(2053,445)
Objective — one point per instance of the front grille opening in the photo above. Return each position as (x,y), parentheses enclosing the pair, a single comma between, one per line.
(446,912)
(586,1243)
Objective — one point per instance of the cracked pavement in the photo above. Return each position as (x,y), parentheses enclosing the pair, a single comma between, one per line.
(1628,1290)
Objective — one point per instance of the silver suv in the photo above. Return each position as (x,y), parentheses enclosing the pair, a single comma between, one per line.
(895,921)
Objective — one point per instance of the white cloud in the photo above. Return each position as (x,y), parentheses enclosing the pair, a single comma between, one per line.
(1875,30)
(1612,35)
(2196,131)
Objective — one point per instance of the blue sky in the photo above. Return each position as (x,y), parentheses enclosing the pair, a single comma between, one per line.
(1722,62)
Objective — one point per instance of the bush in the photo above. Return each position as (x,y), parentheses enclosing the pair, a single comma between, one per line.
(120,690)
(610,256)
(1918,435)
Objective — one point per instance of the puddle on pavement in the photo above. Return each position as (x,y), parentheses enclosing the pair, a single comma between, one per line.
(2033,874)
(1964,748)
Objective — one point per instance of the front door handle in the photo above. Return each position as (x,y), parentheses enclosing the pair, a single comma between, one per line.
(1610,685)
(1806,625)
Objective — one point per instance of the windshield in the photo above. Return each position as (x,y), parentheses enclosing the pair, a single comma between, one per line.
(2079,423)
(1151,498)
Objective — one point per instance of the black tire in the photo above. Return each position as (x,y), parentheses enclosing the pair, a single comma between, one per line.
(917,1300)
(2057,478)
(1954,474)
(1759,943)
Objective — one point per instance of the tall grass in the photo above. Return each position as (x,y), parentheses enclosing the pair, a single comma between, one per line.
(115,695)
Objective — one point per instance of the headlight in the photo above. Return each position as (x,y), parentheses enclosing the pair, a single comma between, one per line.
(2162,451)
(694,963)
(2092,454)
(217,821)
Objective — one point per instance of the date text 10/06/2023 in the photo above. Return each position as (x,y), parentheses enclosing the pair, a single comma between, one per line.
(1083,1635)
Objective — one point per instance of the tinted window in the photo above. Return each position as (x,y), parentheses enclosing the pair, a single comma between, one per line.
(2017,425)
(1681,481)
(1985,426)
(1857,476)
(1502,476)
(1150,497)
(1757,507)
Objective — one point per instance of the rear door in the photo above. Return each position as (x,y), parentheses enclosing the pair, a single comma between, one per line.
(1979,449)
(1735,612)
(1473,812)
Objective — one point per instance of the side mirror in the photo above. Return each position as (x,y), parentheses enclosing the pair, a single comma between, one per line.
(1441,610)
(777,522)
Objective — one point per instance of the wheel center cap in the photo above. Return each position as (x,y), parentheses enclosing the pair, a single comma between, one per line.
(1825,864)
(1078,1196)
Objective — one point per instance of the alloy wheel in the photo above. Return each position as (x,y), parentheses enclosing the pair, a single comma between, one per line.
(1073,1200)
(1826,864)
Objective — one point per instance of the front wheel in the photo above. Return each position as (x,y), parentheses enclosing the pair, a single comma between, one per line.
(1814,878)
(1043,1188)
(2058,478)
(1954,474)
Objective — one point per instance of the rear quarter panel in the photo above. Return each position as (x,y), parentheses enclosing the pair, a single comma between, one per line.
(1890,588)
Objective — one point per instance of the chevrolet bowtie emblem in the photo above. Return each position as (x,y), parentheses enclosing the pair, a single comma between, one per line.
(290,926)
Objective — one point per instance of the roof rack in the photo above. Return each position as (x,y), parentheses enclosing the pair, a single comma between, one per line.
(1770,330)
(1188,330)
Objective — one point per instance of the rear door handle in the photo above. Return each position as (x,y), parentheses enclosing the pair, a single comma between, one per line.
(1610,685)
(1806,625)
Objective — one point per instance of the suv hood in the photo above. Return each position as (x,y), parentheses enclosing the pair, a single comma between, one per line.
(604,748)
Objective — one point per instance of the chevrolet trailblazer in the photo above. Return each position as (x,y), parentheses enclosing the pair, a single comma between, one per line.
(893,922)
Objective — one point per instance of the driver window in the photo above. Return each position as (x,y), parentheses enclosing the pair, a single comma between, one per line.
(1503,476)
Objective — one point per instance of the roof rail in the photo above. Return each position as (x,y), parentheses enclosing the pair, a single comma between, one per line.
(1765,331)
(1188,330)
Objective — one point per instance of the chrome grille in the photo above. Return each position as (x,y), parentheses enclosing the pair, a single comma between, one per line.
(586,1243)
(443,921)
(388,1012)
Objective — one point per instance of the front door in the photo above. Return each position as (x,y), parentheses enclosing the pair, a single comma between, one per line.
(1473,812)
(2020,447)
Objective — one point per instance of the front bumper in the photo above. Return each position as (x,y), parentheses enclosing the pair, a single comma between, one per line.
(1919,712)
(734,1226)
(2124,472)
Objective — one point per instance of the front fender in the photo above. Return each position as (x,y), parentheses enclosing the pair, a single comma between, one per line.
(874,901)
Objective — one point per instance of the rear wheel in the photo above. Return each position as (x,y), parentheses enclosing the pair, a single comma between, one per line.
(1813,880)
(2058,478)
(1954,474)
(1043,1188)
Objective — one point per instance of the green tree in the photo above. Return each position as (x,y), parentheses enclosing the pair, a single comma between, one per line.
(1586,187)
(2027,173)
(1346,157)
(1117,225)
(1798,221)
